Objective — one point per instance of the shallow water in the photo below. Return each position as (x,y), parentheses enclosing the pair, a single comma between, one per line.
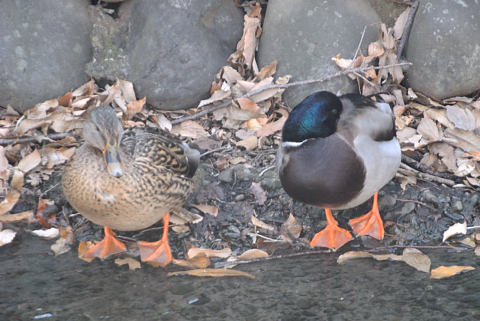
(34,283)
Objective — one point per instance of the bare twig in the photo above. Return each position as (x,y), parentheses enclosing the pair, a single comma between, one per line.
(285,86)
(29,139)
(420,167)
(428,177)
(261,259)
(407,28)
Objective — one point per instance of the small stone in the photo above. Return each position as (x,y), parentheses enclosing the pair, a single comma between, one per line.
(226,175)
(239,197)
(457,206)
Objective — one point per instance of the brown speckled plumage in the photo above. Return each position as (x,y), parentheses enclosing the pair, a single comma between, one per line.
(156,175)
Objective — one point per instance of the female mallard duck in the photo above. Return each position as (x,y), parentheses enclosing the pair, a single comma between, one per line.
(128,180)
(336,153)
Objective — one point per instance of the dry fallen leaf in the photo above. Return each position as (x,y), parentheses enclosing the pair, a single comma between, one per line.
(17,217)
(194,251)
(83,247)
(212,273)
(48,234)
(190,129)
(448,271)
(200,261)
(360,255)
(30,161)
(252,254)
(13,194)
(60,246)
(416,259)
(256,222)
(260,195)
(7,236)
(455,229)
(132,263)
(249,143)
(292,227)
(207,209)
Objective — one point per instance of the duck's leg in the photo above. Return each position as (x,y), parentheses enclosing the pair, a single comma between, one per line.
(157,253)
(331,236)
(108,246)
(370,223)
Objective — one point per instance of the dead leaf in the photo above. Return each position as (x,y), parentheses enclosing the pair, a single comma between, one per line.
(45,222)
(429,130)
(83,247)
(455,229)
(448,271)
(128,92)
(48,234)
(194,251)
(249,143)
(201,261)
(135,107)
(30,161)
(342,259)
(212,273)
(416,259)
(190,129)
(400,24)
(292,226)
(17,217)
(217,96)
(207,209)
(60,246)
(256,222)
(132,263)
(13,194)
(271,127)
(477,251)
(258,192)
(252,254)
(7,236)
(461,117)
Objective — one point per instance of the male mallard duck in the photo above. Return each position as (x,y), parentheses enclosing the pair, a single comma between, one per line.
(128,180)
(336,153)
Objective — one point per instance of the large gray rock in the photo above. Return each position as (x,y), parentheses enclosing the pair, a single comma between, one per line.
(444,47)
(170,50)
(44,46)
(303,36)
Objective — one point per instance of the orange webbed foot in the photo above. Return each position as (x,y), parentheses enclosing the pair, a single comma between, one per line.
(157,253)
(106,247)
(332,236)
(370,223)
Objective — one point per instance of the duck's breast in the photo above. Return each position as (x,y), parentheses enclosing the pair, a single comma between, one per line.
(324,172)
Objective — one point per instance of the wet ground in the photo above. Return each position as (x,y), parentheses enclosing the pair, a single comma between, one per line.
(34,284)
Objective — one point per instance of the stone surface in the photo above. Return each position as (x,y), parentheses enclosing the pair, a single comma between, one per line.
(44,46)
(170,50)
(444,47)
(303,36)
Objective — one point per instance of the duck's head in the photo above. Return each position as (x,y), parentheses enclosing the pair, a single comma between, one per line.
(104,131)
(316,116)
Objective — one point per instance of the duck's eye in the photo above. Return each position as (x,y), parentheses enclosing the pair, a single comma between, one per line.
(334,111)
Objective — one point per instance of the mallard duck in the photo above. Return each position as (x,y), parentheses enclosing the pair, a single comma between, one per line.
(337,152)
(127,180)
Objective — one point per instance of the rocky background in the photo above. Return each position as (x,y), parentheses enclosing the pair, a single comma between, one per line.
(171,50)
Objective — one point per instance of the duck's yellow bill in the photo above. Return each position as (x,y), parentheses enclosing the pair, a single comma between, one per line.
(112,159)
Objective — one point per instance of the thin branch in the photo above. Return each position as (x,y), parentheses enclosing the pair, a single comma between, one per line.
(428,177)
(407,28)
(420,167)
(29,139)
(284,86)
